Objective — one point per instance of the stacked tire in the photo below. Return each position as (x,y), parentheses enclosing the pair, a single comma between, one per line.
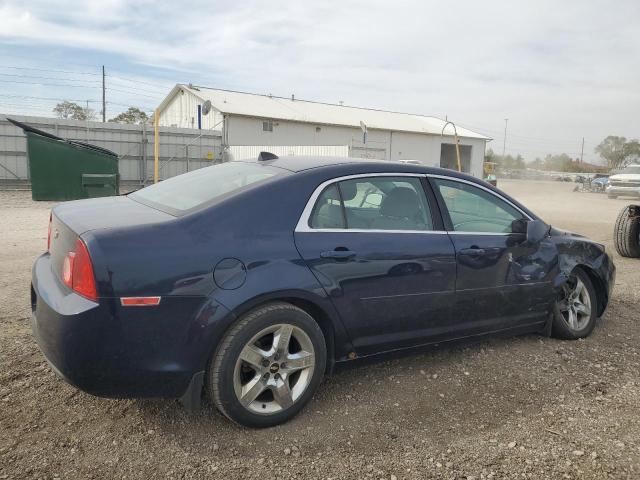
(626,233)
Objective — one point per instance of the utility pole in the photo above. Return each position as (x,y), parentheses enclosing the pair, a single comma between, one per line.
(156,145)
(104,103)
(582,150)
(504,141)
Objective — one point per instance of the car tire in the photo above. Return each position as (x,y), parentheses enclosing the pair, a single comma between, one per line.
(570,320)
(626,234)
(267,366)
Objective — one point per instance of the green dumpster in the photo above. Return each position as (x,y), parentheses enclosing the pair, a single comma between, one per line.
(66,169)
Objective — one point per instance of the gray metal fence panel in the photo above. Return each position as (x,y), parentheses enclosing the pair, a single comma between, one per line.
(181,149)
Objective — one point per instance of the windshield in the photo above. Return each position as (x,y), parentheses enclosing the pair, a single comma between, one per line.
(194,189)
(635,169)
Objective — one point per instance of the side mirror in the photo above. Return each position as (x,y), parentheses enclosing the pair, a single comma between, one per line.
(519,226)
(535,230)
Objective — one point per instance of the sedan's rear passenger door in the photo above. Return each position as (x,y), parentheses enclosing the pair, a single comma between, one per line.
(377,246)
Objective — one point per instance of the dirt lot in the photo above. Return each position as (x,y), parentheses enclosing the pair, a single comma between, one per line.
(526,407)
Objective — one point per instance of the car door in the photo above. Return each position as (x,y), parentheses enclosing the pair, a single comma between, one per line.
(377,246)
(502,281)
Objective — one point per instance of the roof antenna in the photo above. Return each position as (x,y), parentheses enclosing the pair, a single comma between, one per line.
(264,156)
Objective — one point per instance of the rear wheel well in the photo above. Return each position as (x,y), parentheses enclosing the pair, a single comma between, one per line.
(598,284)
(323,320)
(317,313)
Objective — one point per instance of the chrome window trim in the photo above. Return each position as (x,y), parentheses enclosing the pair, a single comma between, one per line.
(369,230)
(303,221)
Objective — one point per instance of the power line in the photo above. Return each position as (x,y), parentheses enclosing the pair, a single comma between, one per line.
(28,101)
(131,80)
(39,77)
(49,70)
(131,93)
(48,84)
(45,59)
(49,98)
(500,133)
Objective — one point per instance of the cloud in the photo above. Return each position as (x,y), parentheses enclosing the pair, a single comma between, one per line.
(557,70)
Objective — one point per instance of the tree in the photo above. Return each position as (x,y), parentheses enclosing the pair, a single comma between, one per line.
(131,116)
(489,156)
(557,163)
(617,151)
(536,164)
(73,111)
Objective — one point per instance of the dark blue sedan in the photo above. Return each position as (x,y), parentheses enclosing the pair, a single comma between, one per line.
(252,280)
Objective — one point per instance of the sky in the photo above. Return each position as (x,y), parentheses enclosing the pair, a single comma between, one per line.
(559,71)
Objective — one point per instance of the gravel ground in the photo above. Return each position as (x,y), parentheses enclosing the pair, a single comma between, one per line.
(525,407)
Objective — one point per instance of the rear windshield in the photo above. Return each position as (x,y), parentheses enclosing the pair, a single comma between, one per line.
(191,190)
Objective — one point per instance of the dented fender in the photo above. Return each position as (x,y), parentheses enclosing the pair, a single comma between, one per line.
(577,251)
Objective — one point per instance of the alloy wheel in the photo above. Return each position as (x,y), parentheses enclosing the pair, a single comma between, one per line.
(274,369)
(575,304)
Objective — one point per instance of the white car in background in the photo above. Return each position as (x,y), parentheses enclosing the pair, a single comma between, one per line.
(626,182)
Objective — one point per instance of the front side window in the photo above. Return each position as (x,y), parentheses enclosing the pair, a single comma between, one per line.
(373,203)
(473,209)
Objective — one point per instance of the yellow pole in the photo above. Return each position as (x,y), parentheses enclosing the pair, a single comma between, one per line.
(156,145)
(458,153)
(455,136)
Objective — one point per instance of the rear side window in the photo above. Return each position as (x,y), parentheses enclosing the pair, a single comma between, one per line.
(327,212)
(373,203)
(204,186)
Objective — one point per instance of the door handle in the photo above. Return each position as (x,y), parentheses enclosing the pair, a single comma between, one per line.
(473,251)
(338,254)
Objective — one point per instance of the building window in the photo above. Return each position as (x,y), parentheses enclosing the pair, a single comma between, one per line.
(267,126)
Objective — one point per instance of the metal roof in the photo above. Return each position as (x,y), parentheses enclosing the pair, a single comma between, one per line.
(272,107)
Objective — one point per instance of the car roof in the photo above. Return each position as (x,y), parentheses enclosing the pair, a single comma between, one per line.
(299,163)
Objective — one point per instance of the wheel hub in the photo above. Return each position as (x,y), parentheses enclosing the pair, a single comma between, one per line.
(576,306)
(274,368)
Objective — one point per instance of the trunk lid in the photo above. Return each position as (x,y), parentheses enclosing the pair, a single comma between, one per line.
(70,220)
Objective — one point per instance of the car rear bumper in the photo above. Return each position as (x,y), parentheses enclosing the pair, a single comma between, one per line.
(108,350)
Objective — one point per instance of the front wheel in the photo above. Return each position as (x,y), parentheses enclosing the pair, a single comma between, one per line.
(268,366)
(575,310)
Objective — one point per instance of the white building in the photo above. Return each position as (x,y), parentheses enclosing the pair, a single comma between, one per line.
(251,119)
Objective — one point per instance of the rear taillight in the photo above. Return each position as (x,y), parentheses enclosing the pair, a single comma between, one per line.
(49,232)
(77,272)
